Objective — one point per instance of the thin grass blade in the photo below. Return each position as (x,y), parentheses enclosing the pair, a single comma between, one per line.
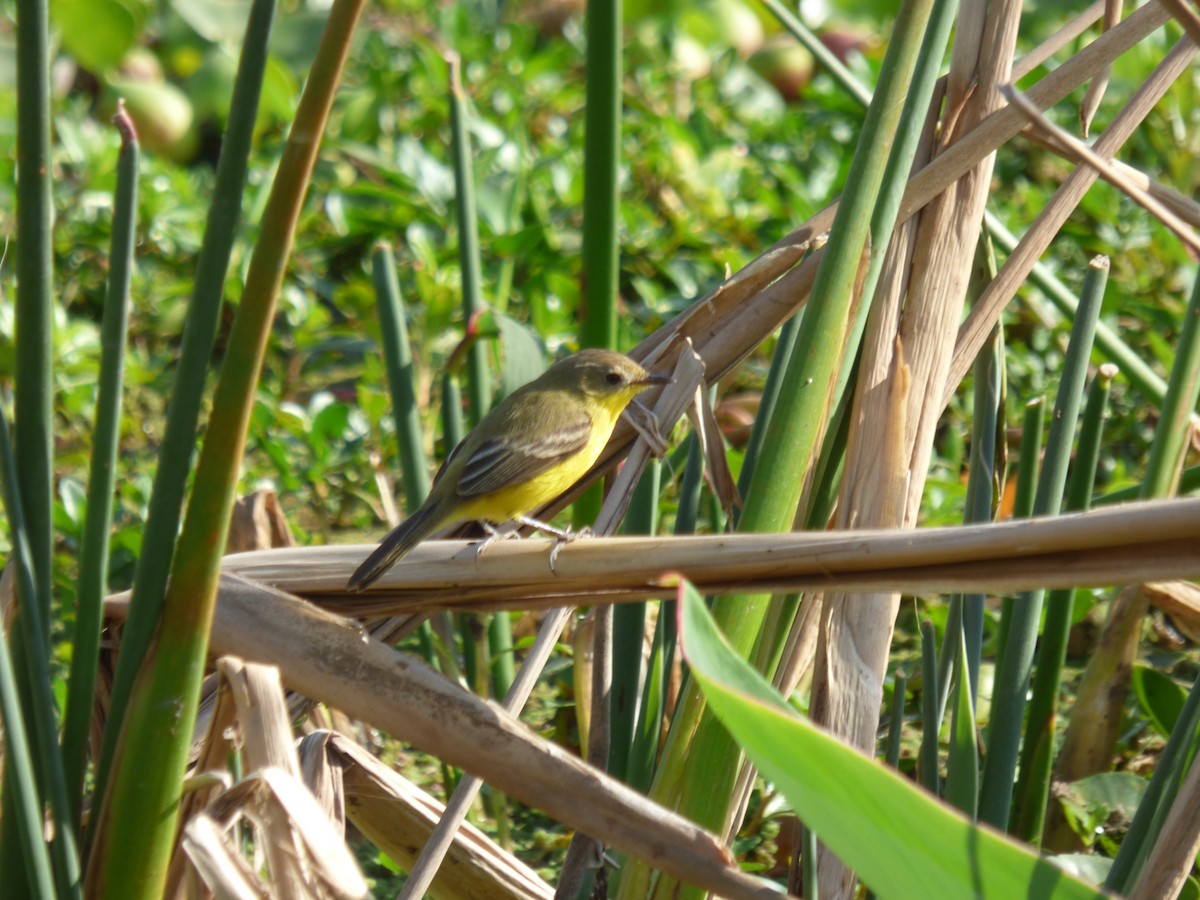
(479,391)
(1013,669)
(1033,784)
(23,809)
(93,563)
(136,824)
(179,438)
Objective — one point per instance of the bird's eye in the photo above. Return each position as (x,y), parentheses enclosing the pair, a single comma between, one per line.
(613,377)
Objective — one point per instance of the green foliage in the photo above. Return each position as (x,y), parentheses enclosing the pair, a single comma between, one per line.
(901,841)
(710,180)
(1101,803)
(1160,698)
(715,166)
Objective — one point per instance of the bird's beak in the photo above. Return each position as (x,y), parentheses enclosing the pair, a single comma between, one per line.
(657,379)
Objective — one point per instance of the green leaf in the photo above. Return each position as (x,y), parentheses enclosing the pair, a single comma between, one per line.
(1092,802)
(74,500)
(962,766)
(215,20)
(98,33)
(901,841)
(329,425)
(1160,698)
(1085,865)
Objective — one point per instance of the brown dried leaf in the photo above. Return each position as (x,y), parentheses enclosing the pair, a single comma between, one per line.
(398,817)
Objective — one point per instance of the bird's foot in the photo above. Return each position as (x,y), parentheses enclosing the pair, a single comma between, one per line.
(493,535)
(562,536)
(564,539)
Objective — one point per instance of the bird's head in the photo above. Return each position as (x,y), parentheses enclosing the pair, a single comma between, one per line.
(606,375)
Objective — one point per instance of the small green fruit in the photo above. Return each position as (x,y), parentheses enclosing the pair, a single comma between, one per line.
(163,116)
(786,65)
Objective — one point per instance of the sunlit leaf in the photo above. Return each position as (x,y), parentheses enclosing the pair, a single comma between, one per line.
(902,842)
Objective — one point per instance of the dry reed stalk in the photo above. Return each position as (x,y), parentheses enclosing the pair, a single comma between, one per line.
(1181,601)
(1180,204)
(320,776)
(1099,83)
(1077,151)
(1143,541)
(723,565)
(266,743)
(258,522)
(302,847)
(1171,859)
(1185,16)
(205,780)
(903,374)
(398,817)
(263,719)
(217,861)
(1187,208)
(316,863)
(986,311)
(333,660)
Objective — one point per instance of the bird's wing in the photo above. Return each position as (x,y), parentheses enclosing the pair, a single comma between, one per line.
(500,463)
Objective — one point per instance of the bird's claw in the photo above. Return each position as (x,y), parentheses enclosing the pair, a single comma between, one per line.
(493,535)
(564,538)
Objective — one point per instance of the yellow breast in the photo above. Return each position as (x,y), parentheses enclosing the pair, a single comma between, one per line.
(522,499)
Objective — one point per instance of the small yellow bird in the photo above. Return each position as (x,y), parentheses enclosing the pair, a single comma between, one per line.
(536,443)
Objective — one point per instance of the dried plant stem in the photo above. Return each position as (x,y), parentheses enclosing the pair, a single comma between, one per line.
(1073,148)
(1174,852)
(330,659)
(1186,16)
(904,367)
(986,312)
(1180,204)
(1099,83)
(440,840)
(1113,544)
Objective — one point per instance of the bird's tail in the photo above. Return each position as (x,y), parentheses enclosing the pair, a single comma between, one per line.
(398,542)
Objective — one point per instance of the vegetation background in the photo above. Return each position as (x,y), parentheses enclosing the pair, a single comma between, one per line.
(730,137)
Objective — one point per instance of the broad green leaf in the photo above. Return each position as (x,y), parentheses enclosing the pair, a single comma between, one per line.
(74,499)
(901,841)
(1088,866)
(1160,698)
(329,425)
(1091,802)
(214,21)
(98,33)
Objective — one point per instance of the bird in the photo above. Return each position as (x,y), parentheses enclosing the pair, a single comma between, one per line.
(531,447)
